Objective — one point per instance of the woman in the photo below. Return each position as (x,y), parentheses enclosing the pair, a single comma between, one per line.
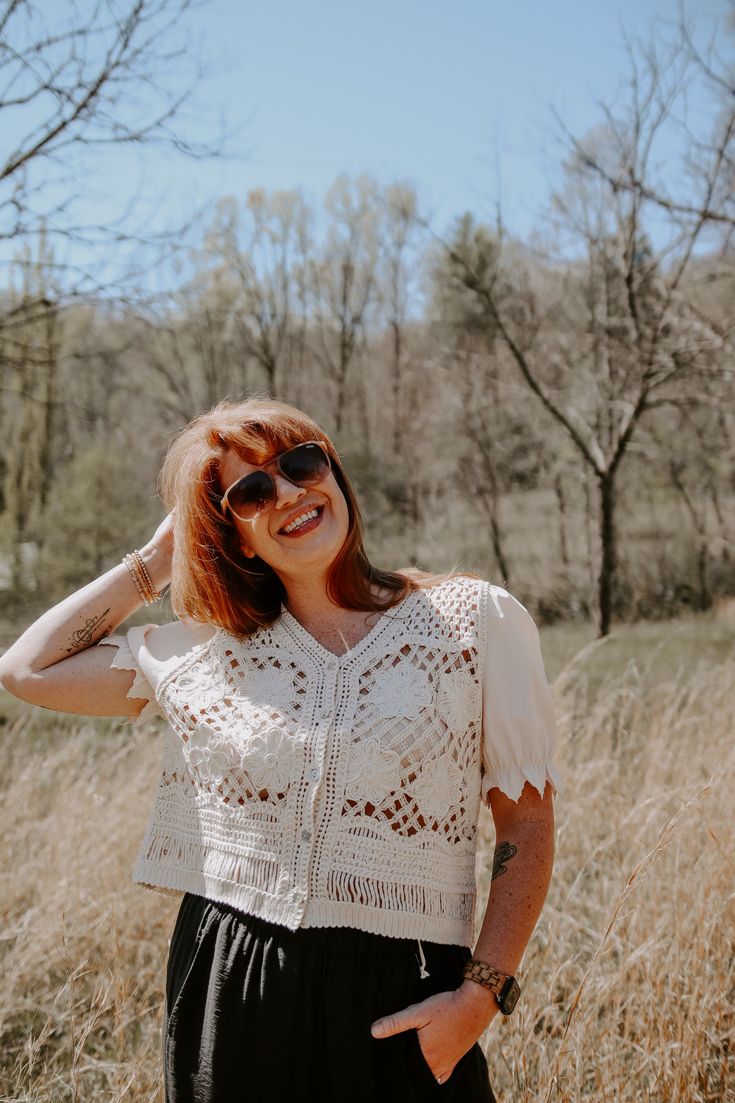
(332,729)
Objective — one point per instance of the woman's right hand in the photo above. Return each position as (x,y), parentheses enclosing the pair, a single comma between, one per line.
(158,553)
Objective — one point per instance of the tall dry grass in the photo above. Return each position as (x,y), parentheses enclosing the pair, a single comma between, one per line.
(83,949)
(627,982)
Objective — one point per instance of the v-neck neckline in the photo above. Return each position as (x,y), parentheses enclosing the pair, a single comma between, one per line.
(296,628)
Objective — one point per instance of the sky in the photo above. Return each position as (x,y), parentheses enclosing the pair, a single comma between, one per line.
(457,98)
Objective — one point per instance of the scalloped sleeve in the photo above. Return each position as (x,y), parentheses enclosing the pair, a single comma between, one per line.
(126,657)
(518,722)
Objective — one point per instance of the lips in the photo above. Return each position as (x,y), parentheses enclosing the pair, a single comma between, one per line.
(299,513)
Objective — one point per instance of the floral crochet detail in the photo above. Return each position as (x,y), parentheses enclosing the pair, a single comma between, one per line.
(374,771)
(458,700)
(436,787)
(202,684)
(271,687)
(271,760)
(400,691)
(207,753)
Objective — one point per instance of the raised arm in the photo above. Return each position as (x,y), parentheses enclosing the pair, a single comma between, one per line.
(57,662)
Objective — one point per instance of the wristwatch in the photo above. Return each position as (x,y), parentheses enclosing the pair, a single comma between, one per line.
(505,987)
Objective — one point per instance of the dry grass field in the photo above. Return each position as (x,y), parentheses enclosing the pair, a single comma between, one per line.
(628,990)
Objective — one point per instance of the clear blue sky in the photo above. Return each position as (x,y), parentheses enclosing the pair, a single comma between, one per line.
(455,96)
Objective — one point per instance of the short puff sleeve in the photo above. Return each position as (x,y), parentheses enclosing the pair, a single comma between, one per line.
(152,651)
(126,657)
(519,726)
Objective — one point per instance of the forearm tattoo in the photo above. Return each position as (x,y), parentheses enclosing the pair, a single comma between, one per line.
(503,853)
(85,636)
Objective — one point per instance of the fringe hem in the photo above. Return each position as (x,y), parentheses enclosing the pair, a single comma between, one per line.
(292,910)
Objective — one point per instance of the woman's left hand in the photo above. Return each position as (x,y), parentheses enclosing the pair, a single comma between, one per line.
(448,1024)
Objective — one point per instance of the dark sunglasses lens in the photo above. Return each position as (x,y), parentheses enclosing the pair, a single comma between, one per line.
(304,464)
(251,495)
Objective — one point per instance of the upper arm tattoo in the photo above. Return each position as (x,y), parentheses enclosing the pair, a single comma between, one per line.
(87,634)
(503,853)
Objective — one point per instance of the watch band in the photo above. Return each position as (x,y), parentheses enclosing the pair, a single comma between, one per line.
(503,985)
(485,975)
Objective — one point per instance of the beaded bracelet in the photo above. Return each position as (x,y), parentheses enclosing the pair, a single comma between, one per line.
(142,579)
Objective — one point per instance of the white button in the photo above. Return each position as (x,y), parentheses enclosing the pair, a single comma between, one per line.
(314,774)
(306,835)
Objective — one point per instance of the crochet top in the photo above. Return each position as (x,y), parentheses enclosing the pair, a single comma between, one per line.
(314,789)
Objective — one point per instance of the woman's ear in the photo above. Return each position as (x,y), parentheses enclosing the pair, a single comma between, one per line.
(246,550)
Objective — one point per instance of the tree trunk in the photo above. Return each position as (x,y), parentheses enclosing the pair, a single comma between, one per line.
(589,525)
(397,363)
(51,353)
(498,549)
(562,503)
(491,500)
(608,550)
(705,597)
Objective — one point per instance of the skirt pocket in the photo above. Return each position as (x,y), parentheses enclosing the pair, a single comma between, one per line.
(423,1072)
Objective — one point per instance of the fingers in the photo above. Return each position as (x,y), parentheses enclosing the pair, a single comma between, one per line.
(408,1019)
(396,1023)
(384,1028)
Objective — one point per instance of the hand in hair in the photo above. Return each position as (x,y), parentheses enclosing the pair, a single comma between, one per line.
(160,549)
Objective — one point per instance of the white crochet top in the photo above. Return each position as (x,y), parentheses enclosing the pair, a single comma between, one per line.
(311,789)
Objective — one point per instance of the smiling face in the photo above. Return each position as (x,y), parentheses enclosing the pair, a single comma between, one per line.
(308,549)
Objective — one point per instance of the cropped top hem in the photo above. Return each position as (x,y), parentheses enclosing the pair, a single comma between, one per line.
(171,881)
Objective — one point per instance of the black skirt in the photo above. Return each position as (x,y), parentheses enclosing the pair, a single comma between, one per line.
(255,1011)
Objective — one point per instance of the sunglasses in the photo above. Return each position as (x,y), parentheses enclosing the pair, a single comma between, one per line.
(305,465)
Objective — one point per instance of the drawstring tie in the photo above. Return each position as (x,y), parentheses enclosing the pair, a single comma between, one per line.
(423,971)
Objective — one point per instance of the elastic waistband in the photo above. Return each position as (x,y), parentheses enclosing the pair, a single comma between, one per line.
(347,940)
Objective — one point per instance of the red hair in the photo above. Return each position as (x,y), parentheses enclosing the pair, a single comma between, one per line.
(212,581)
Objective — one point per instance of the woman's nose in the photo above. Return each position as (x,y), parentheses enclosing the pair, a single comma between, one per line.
(286,491)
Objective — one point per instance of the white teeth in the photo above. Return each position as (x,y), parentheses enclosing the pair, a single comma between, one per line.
(301,520)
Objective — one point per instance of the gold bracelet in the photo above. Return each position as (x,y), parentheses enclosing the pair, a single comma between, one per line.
(142,579)
(133,568)
(153,593)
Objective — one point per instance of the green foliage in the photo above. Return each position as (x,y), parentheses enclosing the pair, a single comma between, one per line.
(462,275)
(101,504)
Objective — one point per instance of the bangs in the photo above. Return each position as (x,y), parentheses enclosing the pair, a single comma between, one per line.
(257,439)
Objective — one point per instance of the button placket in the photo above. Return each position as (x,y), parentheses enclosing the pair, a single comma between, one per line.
(322,719)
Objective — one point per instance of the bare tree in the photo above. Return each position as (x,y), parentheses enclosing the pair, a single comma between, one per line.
(263,250)
(189,357)
(702,189)
(29,354)
(616,338)
(77,80)
(343,282)
(399,226)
